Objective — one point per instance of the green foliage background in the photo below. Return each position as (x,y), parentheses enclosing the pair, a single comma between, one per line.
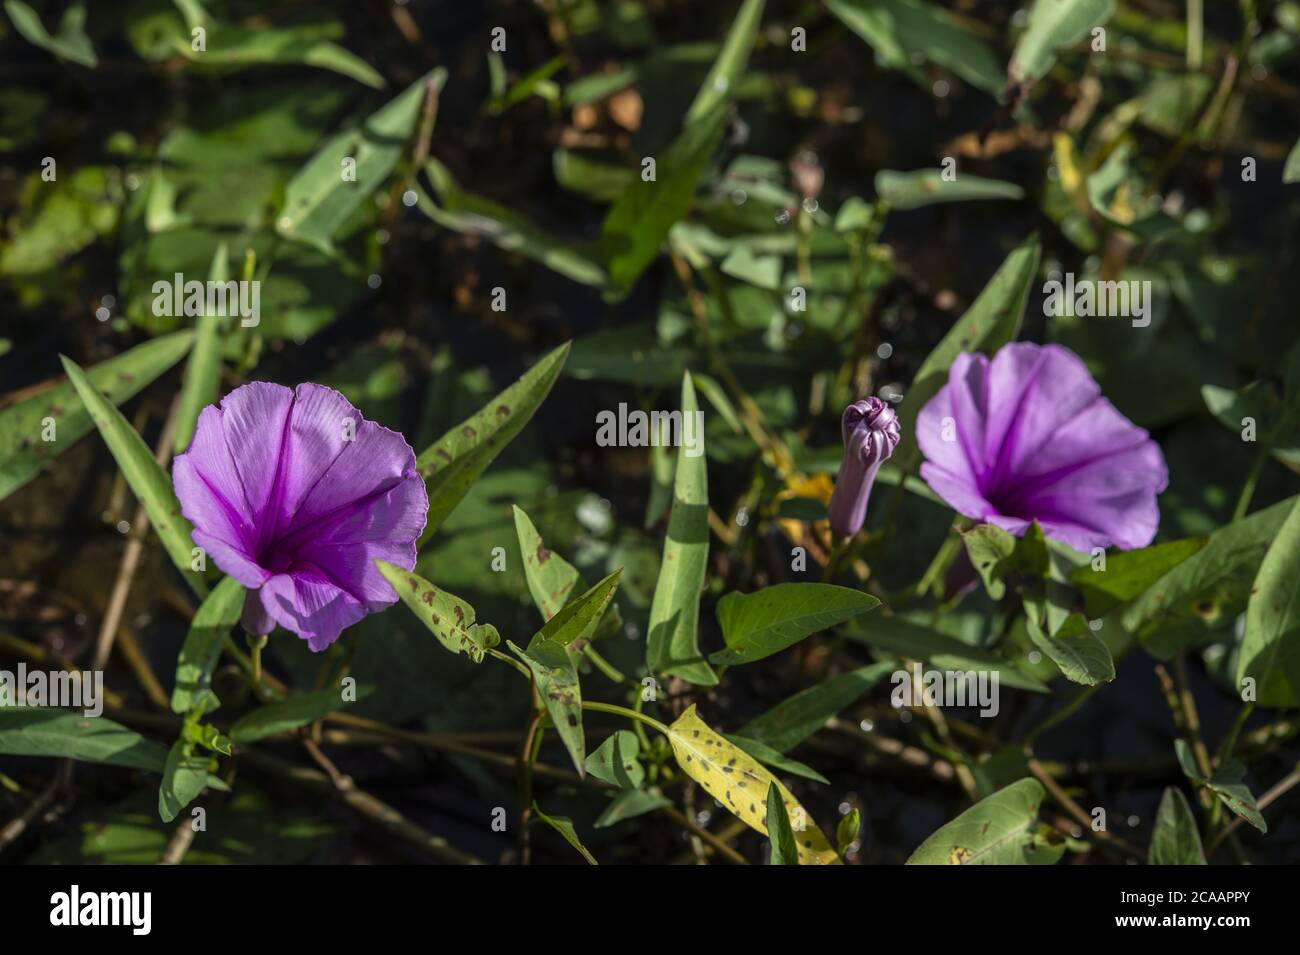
(500,209)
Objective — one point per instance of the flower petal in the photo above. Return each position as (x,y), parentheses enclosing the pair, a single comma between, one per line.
(310,606)
(255,421)
(233,560)
(321,423)
(371,465)
(939,433)
(1034,391)
(208,485)
(346,545)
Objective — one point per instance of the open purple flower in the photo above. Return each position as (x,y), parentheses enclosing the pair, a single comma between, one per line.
(294,494)
(1028,436)
(871,431)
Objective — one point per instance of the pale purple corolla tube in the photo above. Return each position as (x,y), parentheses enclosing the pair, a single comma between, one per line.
(871,432)
(294,494)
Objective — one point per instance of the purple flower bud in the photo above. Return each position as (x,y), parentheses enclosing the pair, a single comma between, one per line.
(871,433)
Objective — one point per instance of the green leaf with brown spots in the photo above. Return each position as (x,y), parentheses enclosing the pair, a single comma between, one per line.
(740,783)
(452,464)
(23,451)
(148,481)
(556,676)
(551,578)
(784,850)
(449,618)
(997,830)
(564,826)
(552,581)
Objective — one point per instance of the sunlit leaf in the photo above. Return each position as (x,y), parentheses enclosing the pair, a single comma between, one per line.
(23,452)
(44,731)
(793,720)
(768,621)
(730,64)
(615,761)
(740,783)
(672,644)
(564,826)
(218,613)
(924,187)
(320,198)
(285,715)
(203,372)
(1054,25)
(1227,783)
(1082,655)
(551,578)
(903,32)
(148,481)
(452,464)
(997,830)
(185,776)
(784,850)
(70,43)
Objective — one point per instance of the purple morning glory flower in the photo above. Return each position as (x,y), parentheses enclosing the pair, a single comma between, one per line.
(871,432)
(294,494)
(1028,436)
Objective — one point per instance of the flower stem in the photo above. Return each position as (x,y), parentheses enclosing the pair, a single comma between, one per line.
(1248,489)
(256,644)
(624,711)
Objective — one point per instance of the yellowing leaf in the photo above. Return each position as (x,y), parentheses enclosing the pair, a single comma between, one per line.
(740,783)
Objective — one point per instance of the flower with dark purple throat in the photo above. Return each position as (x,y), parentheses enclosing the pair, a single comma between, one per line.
(294,494)
(871,432)
(1027,436)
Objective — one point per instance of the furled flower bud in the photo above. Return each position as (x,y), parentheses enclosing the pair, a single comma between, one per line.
(871,432)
